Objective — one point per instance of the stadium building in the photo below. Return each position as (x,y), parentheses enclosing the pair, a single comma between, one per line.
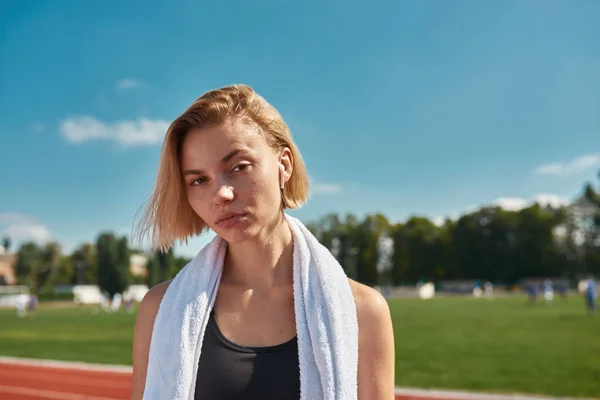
(7,267)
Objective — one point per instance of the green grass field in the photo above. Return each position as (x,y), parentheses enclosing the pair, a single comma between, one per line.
(504,345)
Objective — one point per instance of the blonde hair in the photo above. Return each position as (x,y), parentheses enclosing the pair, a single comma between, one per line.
(168,215)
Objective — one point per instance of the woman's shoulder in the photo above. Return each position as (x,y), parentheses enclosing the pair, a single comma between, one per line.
(143,335)
(372,310)
(152,299)
(368,300)
(376,355)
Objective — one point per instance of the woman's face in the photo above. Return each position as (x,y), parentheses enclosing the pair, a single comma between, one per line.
(232,179)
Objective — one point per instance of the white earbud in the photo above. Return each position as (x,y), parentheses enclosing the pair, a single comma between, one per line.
(281,176)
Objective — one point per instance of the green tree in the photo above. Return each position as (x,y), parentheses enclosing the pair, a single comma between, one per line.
(400,257)
(536,250)
(50,259)
(367,236)
(591,229)
(112,257)
(27,265)
(166,264)
(6,243)
(153,271)
(84,262)
(424,253)
(37,267)
(65,274)
(123,264)
(490,243)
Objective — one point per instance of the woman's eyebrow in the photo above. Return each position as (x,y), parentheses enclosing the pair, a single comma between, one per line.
(224,160)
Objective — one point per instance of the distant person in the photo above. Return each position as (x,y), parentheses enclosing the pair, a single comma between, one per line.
(488,289)
(532,291)
(563,290)
(128,303)
(33,303)
(387,291)
(590,295)
(264,296)
(21,305)
(105,302)
(548,291)
(116,302)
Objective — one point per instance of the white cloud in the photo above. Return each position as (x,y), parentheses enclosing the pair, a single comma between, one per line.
(510,203)
(575,166)
(326,188)
(141,132)
(22,228)
(518,203)
(553,200)
(127,84)
(318,187)
(438,221)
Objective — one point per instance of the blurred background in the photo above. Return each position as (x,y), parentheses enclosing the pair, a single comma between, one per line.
(453,149)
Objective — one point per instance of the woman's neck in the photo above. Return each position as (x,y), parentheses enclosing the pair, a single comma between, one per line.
(264,262)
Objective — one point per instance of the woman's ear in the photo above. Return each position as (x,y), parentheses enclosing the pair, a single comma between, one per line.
(286,166)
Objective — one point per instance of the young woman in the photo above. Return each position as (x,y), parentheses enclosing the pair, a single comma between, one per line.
(229,164)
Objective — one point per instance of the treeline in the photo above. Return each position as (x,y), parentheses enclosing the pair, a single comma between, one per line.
(490,243)
(107,263)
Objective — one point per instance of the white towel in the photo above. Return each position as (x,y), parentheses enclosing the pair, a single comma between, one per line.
(326,323)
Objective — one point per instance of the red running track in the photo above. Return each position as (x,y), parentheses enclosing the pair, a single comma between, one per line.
(27,382)
(33,382)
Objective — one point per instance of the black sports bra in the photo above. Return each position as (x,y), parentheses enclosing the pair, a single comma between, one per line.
(228,371)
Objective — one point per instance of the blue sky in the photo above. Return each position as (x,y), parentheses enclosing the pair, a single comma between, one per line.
(422,107)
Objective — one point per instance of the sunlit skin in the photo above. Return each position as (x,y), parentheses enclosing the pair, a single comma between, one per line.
(230,168)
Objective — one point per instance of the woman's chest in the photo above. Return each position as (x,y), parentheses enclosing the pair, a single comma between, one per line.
(256,320)
(227,370)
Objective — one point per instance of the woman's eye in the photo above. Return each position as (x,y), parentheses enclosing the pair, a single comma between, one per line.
(241,167)
(198,181)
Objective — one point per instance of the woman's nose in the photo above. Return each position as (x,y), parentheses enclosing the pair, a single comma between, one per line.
(224,192)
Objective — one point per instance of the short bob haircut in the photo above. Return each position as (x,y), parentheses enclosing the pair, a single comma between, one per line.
(168,215)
